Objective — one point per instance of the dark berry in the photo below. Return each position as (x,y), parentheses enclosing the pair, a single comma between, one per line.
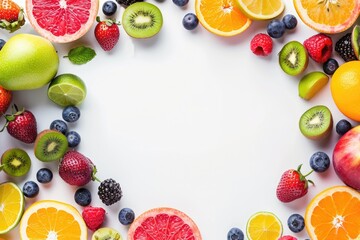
(276,28)
(71,113)
(296,223)
(2,43)
(344,48)
(290,21)
(44,175)
(181,3)
(30,189)
(343,126)
(82,197)
(59,125)
(235,234)
(319,161)
(127,3)
(126,216)
(330,66)
(73,138)
(109,8)
(109,191)
(190,21)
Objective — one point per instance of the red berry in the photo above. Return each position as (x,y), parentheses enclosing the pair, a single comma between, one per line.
(287,237)
(261,44)
(107,34)
(5,99)
(93,217)
(319,47)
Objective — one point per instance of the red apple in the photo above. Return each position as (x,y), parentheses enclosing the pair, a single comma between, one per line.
(346,158)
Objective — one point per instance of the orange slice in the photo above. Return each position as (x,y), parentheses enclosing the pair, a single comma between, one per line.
(328,16)
(221,17)
(48,219)
(334,214)
(261,9)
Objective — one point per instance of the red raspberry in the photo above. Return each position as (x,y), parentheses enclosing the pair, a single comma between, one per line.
(261,44)
(93,217)
(319,47)
(287,237)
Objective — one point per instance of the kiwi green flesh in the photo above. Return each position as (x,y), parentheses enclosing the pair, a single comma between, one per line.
(316,123)
(15,162)
(142,20)
(293,58)
(311,83)
(355,40)
(50,146)
(106,233)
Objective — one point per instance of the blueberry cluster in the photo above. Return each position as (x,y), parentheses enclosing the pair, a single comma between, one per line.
(277,27)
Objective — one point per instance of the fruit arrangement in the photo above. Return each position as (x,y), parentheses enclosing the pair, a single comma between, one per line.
(31,62)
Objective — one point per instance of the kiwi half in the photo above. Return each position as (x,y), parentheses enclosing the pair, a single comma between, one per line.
(50,145)
(15,162)
(142,20)
(316,123)
(355,40)
(293,58)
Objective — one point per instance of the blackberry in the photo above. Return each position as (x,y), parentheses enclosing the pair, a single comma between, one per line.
(109,191)
(344,48)
(127,3)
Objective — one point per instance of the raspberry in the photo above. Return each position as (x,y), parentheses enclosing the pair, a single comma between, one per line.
(344,48)
(319,47)
(261,44)
(287,237)
(93,217)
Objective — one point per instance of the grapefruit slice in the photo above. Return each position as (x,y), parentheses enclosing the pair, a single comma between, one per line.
(163,224)
(60,20)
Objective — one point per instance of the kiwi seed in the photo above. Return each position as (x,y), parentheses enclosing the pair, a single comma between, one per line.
(293,58)
(15,162)
(316,123)
(50,145)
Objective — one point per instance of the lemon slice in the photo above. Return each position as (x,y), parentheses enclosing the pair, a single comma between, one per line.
(264,226)
(261,9)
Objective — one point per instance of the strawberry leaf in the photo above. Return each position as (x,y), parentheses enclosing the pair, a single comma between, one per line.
(81,55)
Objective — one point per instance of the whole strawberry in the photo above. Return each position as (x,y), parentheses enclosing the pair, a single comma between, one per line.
(107,33)
(21,125)
(293,185)
(76,169)
(93,217)
(5,100)
(319,47)
(11,15)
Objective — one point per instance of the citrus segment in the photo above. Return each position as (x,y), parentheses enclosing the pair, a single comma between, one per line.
(264,226)
(221,17)
(328,16)
(11,206)
(334,214)
(261,9)
(48,219)
(163,224)
(60,20)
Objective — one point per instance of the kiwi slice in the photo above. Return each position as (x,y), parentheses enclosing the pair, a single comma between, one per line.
(316,123)
(293,58)
(15,162)
(355,40)
(142,20)
(106,233)
(50,145)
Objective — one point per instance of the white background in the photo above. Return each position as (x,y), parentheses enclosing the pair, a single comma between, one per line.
(187,120)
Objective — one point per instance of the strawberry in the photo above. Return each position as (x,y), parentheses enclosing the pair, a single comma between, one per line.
(11,15)
(5,100)
(76,169)
(21,125)
(93,217)
(107,33)
(293,185)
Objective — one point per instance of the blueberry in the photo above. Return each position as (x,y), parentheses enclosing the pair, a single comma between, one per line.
(82,197)
(126,216)
(73,138)
(2,43)
(330,66)
(296,223)
(235,234)
(44,175)
(181,3)
(319,161)
(276,28)
(30,189)
(59,125)
(343,126)
(290,21)
(109,8)
(190,21)
(71,114)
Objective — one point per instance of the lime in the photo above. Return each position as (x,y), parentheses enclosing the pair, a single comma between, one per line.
(11,206)
(67,89)
(264,226)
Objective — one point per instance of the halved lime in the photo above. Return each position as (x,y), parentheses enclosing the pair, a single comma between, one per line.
(264,226)
(67,89)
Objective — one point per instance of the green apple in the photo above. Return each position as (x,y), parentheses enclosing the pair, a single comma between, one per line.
(311,84)
(27,62)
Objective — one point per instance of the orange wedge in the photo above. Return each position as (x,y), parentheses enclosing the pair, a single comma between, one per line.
(328,16)
(221,17)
